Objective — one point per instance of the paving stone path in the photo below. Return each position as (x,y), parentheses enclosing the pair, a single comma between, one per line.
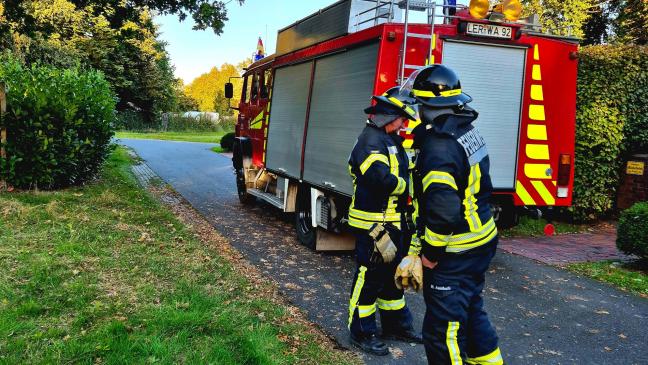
(568,248)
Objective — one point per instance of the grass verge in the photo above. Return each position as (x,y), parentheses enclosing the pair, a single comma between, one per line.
(529,227)
(632,276)
(105,274)
(206,137)
(218,149)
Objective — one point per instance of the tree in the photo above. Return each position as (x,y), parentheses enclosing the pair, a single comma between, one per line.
(131,57)
(596,29)
(631,24)
(207,89)
(205,13)
(561,17)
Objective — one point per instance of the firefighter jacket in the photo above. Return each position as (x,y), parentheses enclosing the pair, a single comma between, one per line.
(454,186)
(378,166)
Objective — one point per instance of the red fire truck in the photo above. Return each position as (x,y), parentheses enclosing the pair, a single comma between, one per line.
(301,109)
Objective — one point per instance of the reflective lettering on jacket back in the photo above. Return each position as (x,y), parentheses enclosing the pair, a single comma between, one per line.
(474,146)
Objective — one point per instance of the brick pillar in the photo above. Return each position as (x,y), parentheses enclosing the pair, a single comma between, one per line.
(634,186)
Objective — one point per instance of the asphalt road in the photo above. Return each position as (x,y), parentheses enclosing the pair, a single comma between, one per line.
(543,315)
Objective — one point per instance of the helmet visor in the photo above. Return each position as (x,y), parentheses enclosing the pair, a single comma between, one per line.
(408,86)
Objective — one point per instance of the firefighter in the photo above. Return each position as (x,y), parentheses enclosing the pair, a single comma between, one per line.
(379,168)
(458,233)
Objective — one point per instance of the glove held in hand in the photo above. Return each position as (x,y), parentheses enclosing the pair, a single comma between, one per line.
(383,243)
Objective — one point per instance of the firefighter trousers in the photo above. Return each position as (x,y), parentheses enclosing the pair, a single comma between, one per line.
(456,329)
(374,289)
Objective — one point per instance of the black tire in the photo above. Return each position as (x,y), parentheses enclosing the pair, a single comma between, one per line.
(306,233)
(241,188)
(243,195)
(508,217)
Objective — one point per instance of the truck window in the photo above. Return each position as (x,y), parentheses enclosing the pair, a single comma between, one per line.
(267,84)
(254,90)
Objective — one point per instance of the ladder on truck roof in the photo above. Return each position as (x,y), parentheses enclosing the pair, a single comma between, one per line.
(384,9)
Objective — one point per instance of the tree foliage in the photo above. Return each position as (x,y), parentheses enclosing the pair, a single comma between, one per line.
(631,24)
(559,16)
(205,13)
(207,89)
(69,33)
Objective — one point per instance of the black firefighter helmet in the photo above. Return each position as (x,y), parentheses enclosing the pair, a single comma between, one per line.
(389,107)
(436,86)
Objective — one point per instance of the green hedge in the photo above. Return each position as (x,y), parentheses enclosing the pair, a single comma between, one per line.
(227,141)
(611,122)
(632,232)
(59,124)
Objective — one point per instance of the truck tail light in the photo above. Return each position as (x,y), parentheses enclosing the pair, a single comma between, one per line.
(564,172)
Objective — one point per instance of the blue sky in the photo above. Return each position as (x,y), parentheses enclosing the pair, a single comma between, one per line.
(196,52)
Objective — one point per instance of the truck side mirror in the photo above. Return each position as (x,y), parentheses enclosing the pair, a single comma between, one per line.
(229,90)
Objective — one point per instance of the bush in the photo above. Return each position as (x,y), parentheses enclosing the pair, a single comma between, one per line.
(59,125)
(178,122)
(611,122)
(131,120)
(227,141)
(632,232)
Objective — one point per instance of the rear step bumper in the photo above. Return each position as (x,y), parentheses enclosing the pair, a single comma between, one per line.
(268,197)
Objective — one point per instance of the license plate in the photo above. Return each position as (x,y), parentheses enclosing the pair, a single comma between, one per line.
(489,30)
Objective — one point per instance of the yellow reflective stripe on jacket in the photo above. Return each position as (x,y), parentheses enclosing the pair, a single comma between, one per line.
(373,216)
(400,187)
(439,177)
(435,239)
(392,203)
(415,246)
(494,358)
(391,305)
(466,241)
(470,202)
(353,302)
(366,310)
(430,94)
(393,160)
(358,223)
(364,166)
(451,343)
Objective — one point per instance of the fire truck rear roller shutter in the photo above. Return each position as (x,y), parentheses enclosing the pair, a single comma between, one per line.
(494,77)
(341,90)
(287,118)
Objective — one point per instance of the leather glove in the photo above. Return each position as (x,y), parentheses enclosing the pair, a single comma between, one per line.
(409,273)
(383,243)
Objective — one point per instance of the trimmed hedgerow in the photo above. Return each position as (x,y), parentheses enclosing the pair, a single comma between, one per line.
(611,122)
(632,232)
(59,125)
(227,141)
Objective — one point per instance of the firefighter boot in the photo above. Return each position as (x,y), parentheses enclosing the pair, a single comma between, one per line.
(405,335)
(370,344)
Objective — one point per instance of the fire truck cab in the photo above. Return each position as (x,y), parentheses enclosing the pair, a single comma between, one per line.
(301,109)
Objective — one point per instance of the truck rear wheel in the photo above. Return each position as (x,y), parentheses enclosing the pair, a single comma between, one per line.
(508,216)
(239,170)
(306,233)
(241,188)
